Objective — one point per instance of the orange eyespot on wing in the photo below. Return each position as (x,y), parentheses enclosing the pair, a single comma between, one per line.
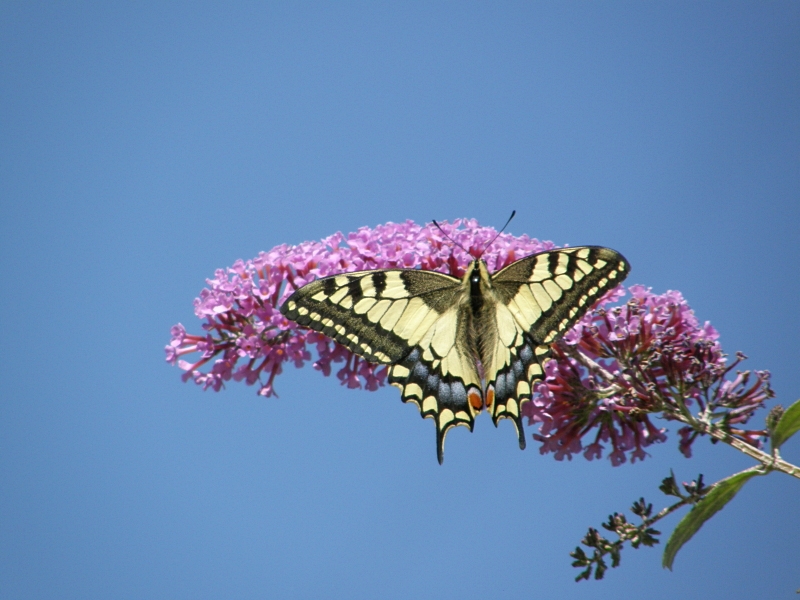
(489,396)
(475,399)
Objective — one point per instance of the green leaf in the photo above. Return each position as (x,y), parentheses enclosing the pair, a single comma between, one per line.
(721,493)
(787,426)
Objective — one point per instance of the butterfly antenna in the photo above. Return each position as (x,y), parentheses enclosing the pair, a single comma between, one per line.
(439,227)
(513,212)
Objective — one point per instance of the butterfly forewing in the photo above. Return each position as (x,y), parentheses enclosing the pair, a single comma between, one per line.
(373,313)
(544,295)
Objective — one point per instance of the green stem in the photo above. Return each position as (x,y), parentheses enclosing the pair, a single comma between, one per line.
(768,461)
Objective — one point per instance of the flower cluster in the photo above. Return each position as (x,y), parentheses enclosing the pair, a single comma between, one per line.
(649,356)
(613,369)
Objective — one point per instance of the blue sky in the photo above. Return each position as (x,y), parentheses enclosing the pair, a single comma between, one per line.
(144,145)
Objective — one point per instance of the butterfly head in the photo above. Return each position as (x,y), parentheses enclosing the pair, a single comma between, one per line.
(477,280)
(478,272)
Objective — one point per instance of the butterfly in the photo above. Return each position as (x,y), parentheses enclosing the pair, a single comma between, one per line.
(457,346)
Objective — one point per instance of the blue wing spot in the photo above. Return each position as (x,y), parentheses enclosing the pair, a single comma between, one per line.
(500,386)
(459,392)
(526,354)
(420,371)
(518,369)
(444,392)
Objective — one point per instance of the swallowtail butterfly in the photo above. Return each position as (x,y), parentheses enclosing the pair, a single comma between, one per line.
(458,346)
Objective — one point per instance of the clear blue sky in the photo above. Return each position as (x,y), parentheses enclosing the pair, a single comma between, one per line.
(143,145)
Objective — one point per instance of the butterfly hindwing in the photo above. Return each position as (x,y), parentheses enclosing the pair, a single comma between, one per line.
(411,319)
(538,299)
(516,365)
(448,399)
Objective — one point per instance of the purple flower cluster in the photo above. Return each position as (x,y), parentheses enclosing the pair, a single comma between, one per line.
(621,364)
(613,369)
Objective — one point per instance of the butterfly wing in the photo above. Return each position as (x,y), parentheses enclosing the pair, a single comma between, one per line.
(537,300)
(413,320)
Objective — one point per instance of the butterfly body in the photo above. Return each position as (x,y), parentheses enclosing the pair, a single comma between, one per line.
(458,346)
